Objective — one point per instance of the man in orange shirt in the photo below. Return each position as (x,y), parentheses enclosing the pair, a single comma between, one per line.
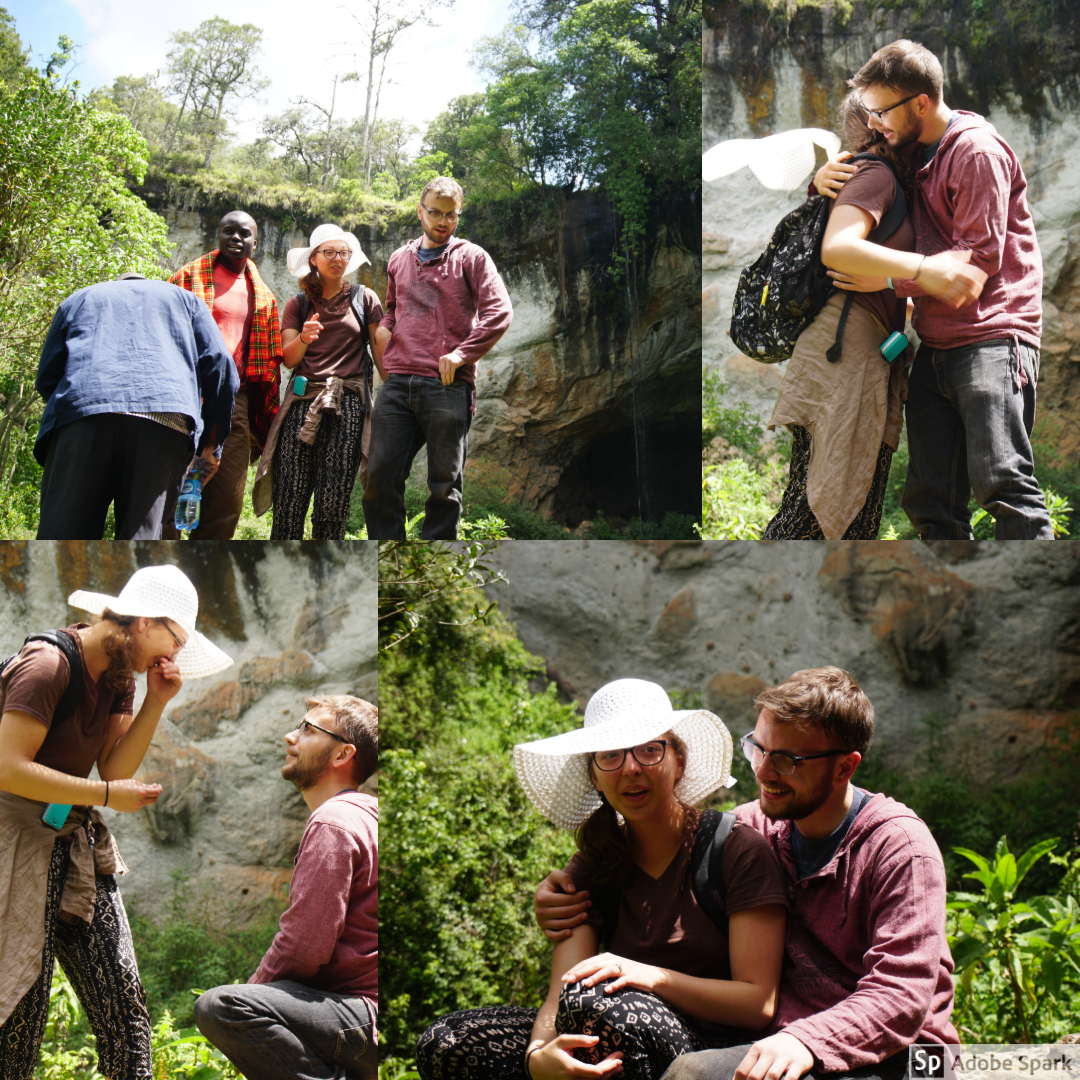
(246,314)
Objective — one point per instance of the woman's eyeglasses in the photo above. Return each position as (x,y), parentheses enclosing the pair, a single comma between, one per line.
(650,753)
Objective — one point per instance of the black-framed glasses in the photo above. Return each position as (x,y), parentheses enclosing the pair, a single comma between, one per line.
(329,254)
(179,644)
(650,753)
(782,762)
(305,724)
(438,216)
(879,113)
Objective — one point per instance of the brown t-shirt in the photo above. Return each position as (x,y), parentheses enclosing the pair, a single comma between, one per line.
(34,682)
(660,921)
(872,189)
(337,350)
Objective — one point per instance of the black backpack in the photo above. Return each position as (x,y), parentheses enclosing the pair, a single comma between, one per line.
(780,294)
(66,644)
(304,306)
(706,879)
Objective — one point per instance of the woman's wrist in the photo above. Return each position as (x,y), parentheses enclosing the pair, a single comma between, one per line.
(528,1054)
(106,802)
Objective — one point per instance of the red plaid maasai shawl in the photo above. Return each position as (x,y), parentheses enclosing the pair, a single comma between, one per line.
(264,343)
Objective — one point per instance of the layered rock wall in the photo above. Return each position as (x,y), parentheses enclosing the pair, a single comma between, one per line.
(984,635)
(588,400)
(298,619)
(765,73)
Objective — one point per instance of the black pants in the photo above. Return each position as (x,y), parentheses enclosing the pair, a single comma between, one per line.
(130,461)
(328,470)
(100,962)
(721,1065)
(490,1044)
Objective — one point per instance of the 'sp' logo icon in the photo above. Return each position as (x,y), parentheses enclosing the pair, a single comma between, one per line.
(926,1061)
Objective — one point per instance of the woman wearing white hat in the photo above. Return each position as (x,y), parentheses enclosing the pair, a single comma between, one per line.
(672,981)
(317,439)
(57,858)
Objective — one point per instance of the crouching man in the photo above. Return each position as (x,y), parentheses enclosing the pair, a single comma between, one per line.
(310,1009)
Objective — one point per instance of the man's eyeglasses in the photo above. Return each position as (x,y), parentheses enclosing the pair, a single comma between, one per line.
(305,724)
(439,217)
(650,753)
(783,763)
(330,254)
(879,113)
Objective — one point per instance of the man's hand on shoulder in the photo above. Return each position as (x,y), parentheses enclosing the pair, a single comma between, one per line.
(832,176)
(778,1057)
(559,907)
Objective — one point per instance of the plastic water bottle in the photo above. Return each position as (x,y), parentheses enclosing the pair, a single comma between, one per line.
(186,517)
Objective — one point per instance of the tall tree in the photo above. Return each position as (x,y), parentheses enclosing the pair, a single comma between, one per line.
(211,68)
(382,23)
(14,59)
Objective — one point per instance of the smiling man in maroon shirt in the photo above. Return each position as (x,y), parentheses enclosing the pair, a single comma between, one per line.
(971,397)
(446,306)
(309,1011)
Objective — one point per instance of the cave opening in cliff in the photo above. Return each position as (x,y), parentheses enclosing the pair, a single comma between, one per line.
(603,477)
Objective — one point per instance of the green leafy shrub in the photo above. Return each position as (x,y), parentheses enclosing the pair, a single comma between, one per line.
(1017,962)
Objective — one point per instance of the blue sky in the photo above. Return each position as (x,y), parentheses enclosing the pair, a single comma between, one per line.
(124,37)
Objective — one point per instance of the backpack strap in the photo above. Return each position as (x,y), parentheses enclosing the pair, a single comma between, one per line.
(303,306)
(832,354)
(706,865)
(608,900)
(69,700)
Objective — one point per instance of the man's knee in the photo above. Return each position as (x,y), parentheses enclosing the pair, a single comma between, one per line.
(216,1009)
(706,1065)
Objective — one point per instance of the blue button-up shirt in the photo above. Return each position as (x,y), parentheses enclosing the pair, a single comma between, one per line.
(135,346)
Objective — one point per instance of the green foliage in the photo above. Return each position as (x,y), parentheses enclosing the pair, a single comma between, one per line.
(13,58)
(1017,962)
(965,807)
(463,850)
(739,426)
(738,501)
(194,943)
(67,220)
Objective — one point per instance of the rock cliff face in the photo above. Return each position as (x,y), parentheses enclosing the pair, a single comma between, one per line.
(986,635)
(593,387)
(764,74)
(297,619)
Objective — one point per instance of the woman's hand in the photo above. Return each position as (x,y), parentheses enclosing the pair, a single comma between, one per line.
(312,328)
(128,796)
(624,973)
(555,1060)
(163,680)
(833,175)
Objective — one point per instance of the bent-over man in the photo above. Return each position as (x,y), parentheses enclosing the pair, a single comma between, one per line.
(310,1009)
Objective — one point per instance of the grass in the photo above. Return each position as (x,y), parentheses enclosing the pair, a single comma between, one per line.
(743,475)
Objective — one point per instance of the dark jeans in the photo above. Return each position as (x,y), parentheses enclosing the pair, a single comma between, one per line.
(130,461)
(969,431)
(409,411)
(721,1065)
(287,1031)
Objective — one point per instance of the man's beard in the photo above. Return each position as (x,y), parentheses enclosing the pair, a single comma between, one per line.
(306,772)
(797,807)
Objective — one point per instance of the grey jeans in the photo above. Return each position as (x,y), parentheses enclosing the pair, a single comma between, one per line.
(969,432)
(721,1065)
(287,1031)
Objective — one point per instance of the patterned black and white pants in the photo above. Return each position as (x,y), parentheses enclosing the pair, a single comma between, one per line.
(328,470)
(100,962)
(796,521)
(490,1044)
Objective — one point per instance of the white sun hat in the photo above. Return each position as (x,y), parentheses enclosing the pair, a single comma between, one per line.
(555,772)
(162,592)
(297,259)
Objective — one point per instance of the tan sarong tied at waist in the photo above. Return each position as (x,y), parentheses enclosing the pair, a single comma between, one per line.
(26,845)
(324,397)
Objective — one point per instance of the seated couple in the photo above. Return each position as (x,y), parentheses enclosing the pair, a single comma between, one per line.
(967,255)
(311,1007)
(833,949)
